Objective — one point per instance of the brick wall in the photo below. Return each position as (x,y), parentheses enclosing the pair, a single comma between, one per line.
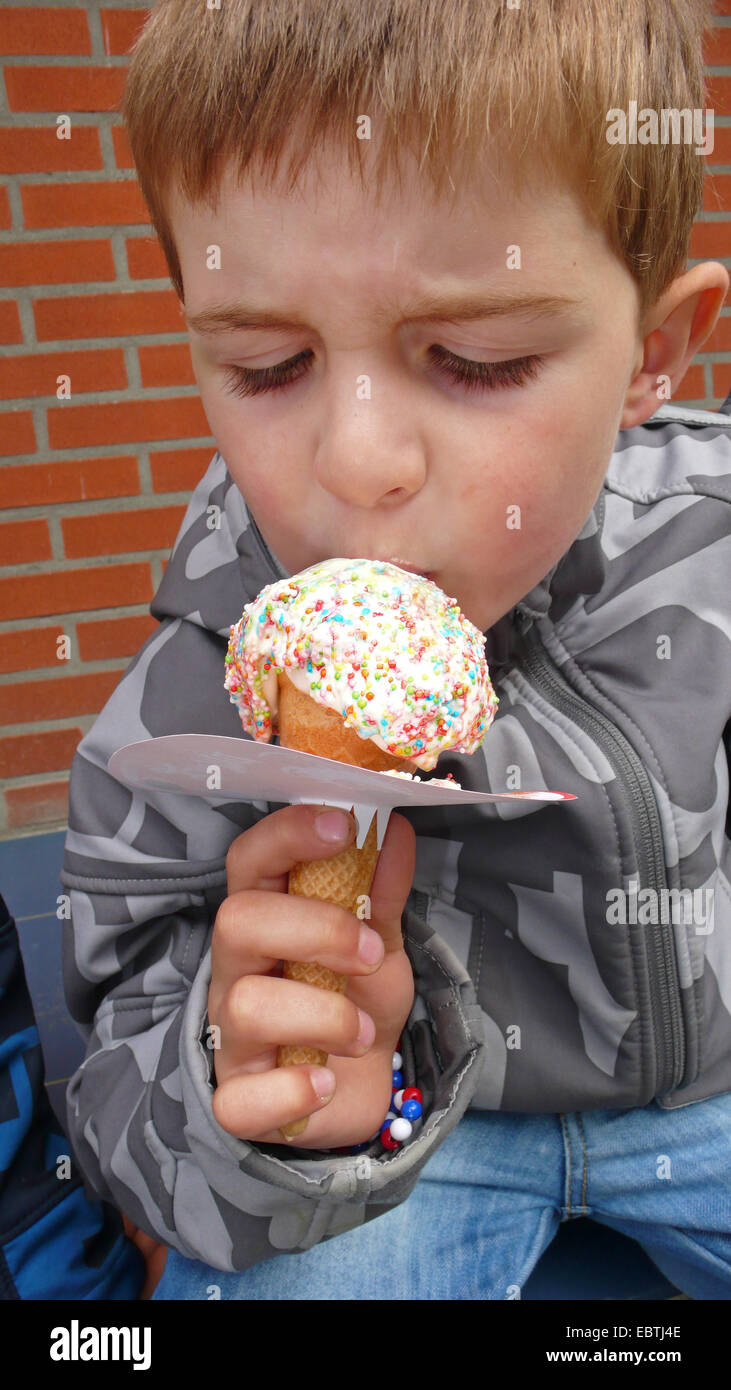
(93,488)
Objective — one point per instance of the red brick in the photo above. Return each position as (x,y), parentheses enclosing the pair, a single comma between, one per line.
(122,149)
(121,533)
(721,153)
(56,262)
(710,241)
(717,197)
(25,150)
(73,426)
(120,29)
(108,315)
(43,804)
(10,330)
(23,542)
(56,697)
(693,385)
(28,648)
(721,380)
(83,204)
(6,220)
(166,364)
(50,751)
(17,435)
(178,470)
(145,259)
(717,47)
(718,93)
(35,374)
(720,339)
(40,29)
(41,484)
(64,88)
(71,591)
(103,641)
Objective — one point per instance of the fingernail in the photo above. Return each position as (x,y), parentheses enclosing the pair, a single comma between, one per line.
(367,1029)
(370,946)
(323,1081)
(332,826)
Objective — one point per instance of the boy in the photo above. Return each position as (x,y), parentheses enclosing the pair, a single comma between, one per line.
(429,364)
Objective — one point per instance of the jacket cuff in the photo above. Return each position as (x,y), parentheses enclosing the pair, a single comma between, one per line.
(443,1049)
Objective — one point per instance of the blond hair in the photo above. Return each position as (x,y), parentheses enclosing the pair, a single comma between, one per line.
(451,81)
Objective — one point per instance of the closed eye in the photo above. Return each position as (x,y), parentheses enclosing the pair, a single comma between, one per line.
(473,376)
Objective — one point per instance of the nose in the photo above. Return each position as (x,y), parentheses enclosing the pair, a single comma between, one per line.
(368,454)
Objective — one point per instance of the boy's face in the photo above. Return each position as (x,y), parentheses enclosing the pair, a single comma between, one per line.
(374,449)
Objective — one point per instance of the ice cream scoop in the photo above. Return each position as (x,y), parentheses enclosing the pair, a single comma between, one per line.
(385,649)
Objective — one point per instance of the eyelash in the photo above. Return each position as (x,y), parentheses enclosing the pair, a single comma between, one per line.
(473,376)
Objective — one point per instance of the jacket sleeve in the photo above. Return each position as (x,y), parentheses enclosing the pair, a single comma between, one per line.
(145,874)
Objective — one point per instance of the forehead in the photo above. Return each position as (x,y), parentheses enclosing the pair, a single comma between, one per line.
(400,240)
(330,202)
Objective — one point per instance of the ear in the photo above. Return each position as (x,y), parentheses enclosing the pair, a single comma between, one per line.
(678,324)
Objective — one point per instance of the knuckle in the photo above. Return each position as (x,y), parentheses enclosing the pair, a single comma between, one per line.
(339,931)
(349,928)
(226,925)
(224,1109)
(242,1000)
(233,854)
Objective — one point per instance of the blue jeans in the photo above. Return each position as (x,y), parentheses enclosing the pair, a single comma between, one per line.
(490,1201)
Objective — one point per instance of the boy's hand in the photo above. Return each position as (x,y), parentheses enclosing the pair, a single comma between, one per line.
(260,925)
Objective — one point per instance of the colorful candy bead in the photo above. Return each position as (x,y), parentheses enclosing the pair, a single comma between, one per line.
(400,1130)
(411,1109)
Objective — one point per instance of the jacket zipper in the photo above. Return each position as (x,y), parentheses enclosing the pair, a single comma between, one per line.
(645,818)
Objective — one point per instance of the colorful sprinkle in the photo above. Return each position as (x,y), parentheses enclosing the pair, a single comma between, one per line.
(435,693)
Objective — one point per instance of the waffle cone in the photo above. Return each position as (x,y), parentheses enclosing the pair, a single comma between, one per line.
(310,727)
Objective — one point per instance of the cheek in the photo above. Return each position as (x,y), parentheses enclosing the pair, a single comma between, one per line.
(472,492)
(522,505)
(266,488)
(256,454)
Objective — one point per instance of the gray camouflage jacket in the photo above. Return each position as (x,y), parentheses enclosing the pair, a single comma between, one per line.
(566,956)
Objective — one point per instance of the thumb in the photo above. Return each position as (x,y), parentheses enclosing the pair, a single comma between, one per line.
(393,879)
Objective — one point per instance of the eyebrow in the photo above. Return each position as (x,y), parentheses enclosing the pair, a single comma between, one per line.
(235,318)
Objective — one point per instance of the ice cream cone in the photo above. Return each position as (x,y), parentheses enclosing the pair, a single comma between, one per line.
(401,663)
(312,728)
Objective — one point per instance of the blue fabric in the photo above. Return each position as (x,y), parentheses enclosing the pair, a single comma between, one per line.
(491,1199)
(55,1243)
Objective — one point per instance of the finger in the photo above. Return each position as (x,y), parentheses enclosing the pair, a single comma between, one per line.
(260,1013)
(393,880)
(250,1106)
(263,856)
(254,930)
